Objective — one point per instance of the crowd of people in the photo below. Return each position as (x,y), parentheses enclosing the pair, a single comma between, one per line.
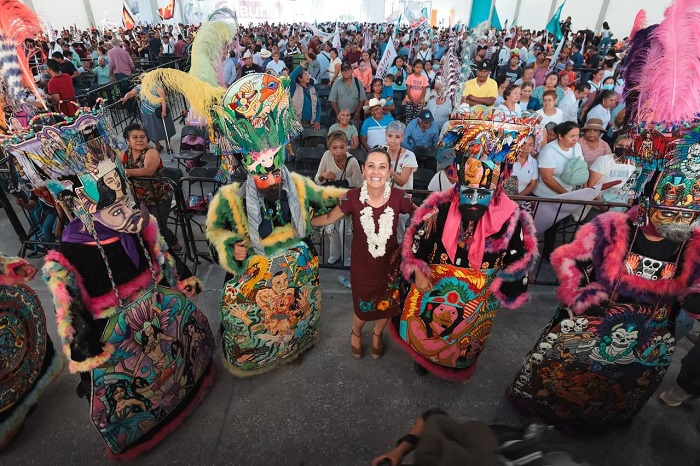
(434,275)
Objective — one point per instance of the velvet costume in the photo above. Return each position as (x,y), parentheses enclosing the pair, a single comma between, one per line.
(87,311)
(611,341)
(263,325)
(28,362)
(502,279)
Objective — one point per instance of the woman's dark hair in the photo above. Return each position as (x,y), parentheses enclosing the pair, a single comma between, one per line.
(335,50)
(508,90)
(562,129)
(133,127)
(156,332)
(500,79)
(107,195)
(375,81)
(599,97)
(605,25)
(553,73)
(380,150)
(418,62)
(609,77)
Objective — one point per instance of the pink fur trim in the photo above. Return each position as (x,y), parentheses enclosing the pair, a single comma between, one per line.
(105,305)
(564,260)
(140,448)
(605,242)
(190,287)
(455,375)
(495,244)
(614,229)
(505,301)
(409,265)
(10,277)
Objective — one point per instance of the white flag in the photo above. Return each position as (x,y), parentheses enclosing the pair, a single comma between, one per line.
(555,58)
(387,59)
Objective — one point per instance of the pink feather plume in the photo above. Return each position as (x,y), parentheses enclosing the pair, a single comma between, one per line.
(640,22)
(669,90)
(17,23)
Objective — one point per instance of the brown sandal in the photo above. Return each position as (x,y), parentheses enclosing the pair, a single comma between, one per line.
(377,351)
(356,352)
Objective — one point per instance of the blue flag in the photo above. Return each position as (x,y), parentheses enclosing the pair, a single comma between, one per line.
(553,25)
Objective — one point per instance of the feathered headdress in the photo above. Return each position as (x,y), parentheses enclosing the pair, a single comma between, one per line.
(17,23)
(669,90)
(640,22)
(203,86)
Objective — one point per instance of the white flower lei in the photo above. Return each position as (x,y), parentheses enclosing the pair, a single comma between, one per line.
(376,241)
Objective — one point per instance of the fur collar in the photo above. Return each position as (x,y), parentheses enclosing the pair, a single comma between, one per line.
(106,305)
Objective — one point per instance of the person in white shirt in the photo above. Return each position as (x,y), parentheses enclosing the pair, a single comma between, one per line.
(572,101)
(424,54)
(612,168)
(525,168)
(446,175)
(549,111)
(504,53)
(524,53)
(275,64)
(553,158)
(604,102)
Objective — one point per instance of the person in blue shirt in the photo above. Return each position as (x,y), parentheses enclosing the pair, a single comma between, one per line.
(439,50)
(422,131)
(576,56)
(230,68)
(307,105)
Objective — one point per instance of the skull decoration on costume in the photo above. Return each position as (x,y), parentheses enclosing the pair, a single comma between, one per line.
(78,163)
(255,122)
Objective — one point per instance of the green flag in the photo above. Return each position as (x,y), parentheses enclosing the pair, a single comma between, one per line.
(553,25)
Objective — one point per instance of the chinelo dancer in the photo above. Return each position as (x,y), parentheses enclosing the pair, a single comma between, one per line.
(127,325)
(467,251)
(271,302)
(270,306)
(626,276)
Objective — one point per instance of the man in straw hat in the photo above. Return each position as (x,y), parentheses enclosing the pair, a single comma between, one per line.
(373,131)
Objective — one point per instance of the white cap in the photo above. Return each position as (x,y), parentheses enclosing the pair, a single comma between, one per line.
(247,54)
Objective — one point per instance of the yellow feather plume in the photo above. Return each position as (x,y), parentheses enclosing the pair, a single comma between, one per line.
(200,95)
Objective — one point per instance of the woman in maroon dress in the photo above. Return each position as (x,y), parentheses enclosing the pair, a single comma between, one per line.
(374,273)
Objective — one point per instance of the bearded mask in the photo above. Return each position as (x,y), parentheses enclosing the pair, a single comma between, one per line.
(672,224)
(475,182)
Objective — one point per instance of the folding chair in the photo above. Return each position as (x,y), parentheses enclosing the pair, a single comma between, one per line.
(422,177)
(307,160)
(189,155)
(312,138)
(426,156)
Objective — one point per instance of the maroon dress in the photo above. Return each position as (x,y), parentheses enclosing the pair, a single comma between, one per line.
(375,281)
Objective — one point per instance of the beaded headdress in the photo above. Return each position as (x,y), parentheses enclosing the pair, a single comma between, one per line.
(256,122)
(481,137)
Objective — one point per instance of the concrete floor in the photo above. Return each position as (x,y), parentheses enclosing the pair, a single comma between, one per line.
(330,409)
